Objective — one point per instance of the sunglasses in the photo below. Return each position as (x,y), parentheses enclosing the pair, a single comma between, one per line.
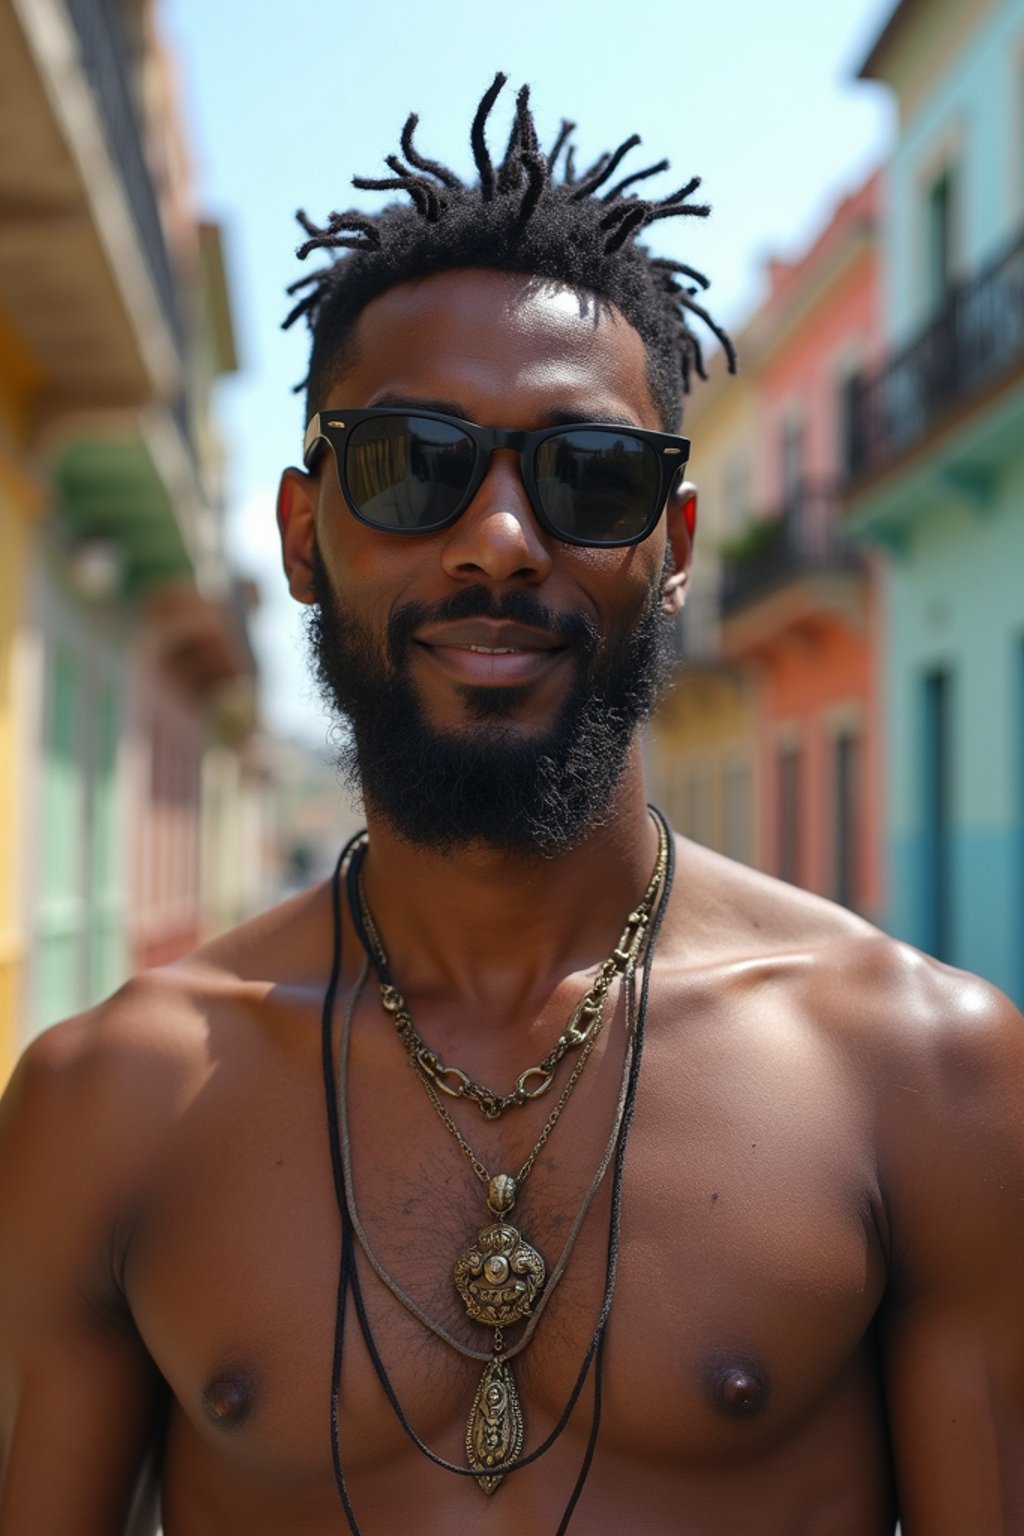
(410,471)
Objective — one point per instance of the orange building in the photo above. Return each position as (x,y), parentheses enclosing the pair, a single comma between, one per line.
(799,612)
(798,626)
(700,754)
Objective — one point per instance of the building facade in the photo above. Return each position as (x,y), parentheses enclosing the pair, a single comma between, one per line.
(776,721)
(123,648)
(701,758)
(937,481)
(799,609)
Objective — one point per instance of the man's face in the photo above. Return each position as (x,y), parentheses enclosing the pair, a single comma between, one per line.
(493,676)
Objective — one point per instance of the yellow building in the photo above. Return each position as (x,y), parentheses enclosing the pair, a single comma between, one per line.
(700,751)
(88,336)
(119,621)
(20,499)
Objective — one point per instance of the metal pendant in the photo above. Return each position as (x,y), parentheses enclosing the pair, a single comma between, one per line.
(499,1276)
(495,1431)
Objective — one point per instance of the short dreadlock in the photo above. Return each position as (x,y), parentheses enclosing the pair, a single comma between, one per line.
(519,217)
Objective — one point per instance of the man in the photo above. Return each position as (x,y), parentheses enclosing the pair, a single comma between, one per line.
(753,1262)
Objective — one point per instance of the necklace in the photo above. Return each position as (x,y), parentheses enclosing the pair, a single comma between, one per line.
(348,1275)
(500,1276)
(536,1080)
(363,1237)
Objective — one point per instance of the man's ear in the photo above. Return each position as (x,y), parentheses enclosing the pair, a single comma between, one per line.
(681,524)
(296,522)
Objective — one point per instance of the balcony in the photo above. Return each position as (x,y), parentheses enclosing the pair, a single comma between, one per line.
(802,542)
(972,347)
(103,49)
(86,283)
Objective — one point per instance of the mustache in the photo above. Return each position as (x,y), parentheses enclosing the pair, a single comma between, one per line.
(577,630)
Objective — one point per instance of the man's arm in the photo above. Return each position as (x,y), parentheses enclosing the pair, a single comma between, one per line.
(78,1393)
(953,1331)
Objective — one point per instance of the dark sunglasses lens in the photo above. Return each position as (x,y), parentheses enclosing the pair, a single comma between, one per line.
(407,472)
(597,486)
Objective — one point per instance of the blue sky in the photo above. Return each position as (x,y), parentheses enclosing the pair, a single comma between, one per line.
(284,103)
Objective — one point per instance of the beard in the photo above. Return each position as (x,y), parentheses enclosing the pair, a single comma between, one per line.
(484,783)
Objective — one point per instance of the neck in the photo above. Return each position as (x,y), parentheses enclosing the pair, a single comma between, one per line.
(498,930)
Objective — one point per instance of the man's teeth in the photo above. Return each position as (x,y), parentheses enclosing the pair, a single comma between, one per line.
(493,650)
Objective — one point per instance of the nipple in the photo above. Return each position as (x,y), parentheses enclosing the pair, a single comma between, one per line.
(737,1388)
(228,1399)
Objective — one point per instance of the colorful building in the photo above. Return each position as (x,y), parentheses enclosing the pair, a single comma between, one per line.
(937,480)
(701,761)
(781,708)
(797,600)
(122,644)
(21,498)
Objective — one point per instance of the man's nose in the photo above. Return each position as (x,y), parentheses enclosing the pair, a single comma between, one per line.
(498,537)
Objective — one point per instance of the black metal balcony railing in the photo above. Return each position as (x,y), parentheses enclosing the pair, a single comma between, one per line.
(105,58)
(803,540)
(977,337)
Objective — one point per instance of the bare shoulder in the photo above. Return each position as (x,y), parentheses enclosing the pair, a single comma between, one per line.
(935,1055)
(123,1072)
(728,918)
(91,1097)
(905,1018)
(103,1114)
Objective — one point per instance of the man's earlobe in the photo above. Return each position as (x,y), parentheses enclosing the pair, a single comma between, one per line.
(296,522)
(681,515)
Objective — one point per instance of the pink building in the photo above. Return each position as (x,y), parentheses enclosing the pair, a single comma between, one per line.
(799,607)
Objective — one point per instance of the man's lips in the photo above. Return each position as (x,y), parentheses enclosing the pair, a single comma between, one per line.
(490,652)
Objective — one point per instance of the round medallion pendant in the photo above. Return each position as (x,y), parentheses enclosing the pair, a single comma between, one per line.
(499,1277)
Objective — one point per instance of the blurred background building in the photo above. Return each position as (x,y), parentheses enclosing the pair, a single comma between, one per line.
(850,711)
(137,793)
(850,708)
(936,481)
(769,749)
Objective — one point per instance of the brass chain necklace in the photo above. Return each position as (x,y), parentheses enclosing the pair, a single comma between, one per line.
(491,1456)
(501,1277)
(536,1080)
(362,1236)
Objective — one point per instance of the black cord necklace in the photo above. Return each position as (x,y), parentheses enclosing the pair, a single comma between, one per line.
(348,1276)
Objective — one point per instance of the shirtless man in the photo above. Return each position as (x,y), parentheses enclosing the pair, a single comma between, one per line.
(816,1160)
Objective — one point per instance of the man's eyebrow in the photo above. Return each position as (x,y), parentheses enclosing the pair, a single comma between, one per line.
(566,417)
(411,403)
(572,418)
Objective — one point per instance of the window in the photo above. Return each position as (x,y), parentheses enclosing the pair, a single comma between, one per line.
(792,448)
(699,809)
(104,916)
(735,496)
(936,809)
(940,211)
(58,949)
(737,810)
(845,801)
(849,455)
(790,774)
(1020,809)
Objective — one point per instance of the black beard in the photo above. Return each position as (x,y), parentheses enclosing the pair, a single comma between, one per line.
(483,783)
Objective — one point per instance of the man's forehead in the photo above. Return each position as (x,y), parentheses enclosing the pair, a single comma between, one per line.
(468,330)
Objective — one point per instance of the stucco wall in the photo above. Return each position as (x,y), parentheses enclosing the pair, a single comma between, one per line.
(956,603)
(974,113)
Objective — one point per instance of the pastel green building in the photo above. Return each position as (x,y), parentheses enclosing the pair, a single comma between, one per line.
(937,480)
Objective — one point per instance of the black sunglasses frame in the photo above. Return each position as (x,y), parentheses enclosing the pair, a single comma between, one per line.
(332,427)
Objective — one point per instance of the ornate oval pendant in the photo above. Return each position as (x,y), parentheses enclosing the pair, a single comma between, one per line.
(499,1276)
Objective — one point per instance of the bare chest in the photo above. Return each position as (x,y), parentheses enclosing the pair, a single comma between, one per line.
(746,1270)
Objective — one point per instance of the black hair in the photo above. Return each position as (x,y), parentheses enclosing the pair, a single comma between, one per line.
(532,213)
